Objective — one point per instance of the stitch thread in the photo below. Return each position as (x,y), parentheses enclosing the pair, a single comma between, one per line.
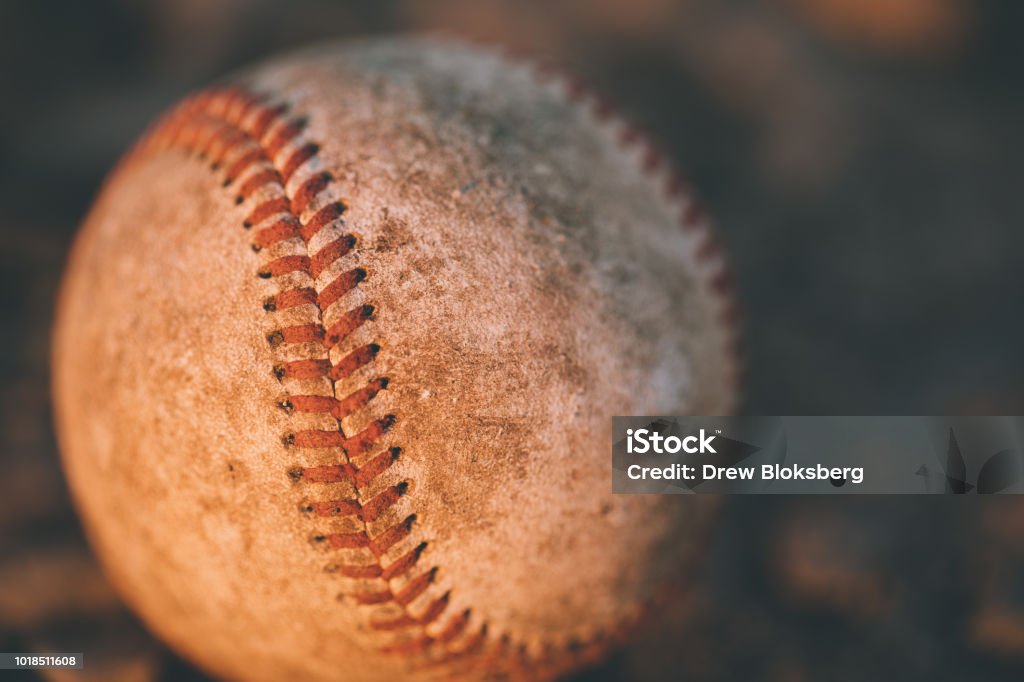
(243,134)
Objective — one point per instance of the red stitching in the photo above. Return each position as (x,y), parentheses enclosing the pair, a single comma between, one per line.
(411,647)
(361,443)
(323,217)
(339,409)
(356,540)
(353,446)
(369,598)
(327,473)
(368,511)
(315,439)
(207,136)
(323,258)
(334,508)
(290,299)
(222,125)
(432,613)
(298,157)
(341,285)
(280,230)
(361,356)
(308,190)
(301,333)
(354,401)
(284,265)
(249,102)
(312,403)
(348,323)
(473,646)
(435,609)
(283,136)
(258,181)
(267,209)
(378,546)
(303,369)
(372,509)
(392,536)
(229,137)
(264,119)
(398,623)
(417,585)
(376,466)
(364,571)
(239,165)
(405,563)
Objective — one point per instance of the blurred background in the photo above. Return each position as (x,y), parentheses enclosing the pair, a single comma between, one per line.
(862,159)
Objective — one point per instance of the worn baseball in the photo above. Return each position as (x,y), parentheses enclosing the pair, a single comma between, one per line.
(335,360)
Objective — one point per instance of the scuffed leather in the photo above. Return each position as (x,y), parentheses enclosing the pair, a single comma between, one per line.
(529,281)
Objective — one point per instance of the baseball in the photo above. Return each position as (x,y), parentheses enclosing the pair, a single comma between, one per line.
(336,355)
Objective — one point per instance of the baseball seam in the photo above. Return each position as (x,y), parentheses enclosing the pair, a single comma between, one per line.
(245,136)
(262,152)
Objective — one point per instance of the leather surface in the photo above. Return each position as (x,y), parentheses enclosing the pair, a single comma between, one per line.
(528,281)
